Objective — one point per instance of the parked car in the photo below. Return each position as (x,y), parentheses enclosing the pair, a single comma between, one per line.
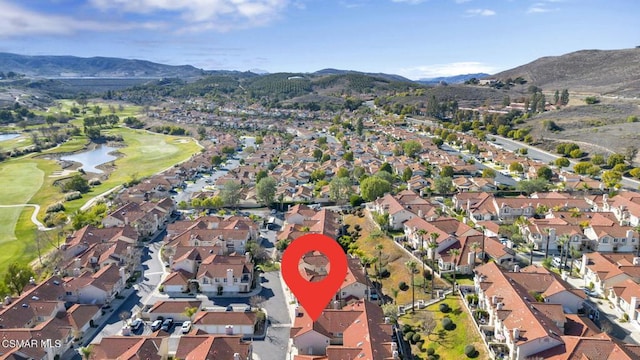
(136,324)
(156,325)
(167,324)
(186,327)
(229,308)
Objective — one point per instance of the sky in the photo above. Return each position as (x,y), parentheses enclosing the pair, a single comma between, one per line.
(412,38)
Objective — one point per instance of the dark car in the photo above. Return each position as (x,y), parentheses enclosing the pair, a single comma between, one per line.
(167,325)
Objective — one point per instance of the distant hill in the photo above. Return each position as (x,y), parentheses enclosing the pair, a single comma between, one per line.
(456,79)
(390,77)
(613,72)
(99,67)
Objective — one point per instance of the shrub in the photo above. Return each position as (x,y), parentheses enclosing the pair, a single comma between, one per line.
(95,182)
(431,351)
(470,350)
(73,196)
(384,273)
(403,286)
(432,357)
(55,207)
(447,324)
(444,308)
(409,336)
(406,328)
(415,338)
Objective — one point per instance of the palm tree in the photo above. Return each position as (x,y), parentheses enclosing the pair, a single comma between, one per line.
(482,259)
(474,248)
(411,265)
(86,351)
(433,245)
(454,253)
(422,233)
(528,247)
(546,250)
(563,240)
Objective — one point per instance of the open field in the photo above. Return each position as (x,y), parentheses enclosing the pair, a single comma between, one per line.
(393,258)
(448,344)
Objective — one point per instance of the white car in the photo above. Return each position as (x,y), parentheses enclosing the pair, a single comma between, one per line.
(186,326)
(136,324)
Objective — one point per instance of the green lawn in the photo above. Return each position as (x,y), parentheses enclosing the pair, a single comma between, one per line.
(448,344)
(19,181)
(28,180)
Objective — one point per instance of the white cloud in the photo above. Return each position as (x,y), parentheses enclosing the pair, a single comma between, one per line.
(201,15)
(412,2)
(480,12)
(451,69)
(18,21)
(461,1)
(542,6)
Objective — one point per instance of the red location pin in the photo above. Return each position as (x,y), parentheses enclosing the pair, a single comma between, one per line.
(314,296)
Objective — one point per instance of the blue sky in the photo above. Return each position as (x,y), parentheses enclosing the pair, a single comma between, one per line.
(413,38)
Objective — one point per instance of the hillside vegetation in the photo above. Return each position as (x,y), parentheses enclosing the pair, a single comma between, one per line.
(606,72)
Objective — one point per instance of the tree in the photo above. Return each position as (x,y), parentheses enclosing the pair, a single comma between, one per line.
(446,171)
(190,311)
(407,173)
(411,265)
(564,97)
(528,247)
(348,156)
(266,190)
(531,186)
(231,192)
(562,162)
(343,173)
(516,167)
(386,167)
(488,173)
(411,148)
(556,98)
(261,175)
(442,185)
(340,189)
(317,154)
(597,159)
(563,241)
(359,127)
(433,246)
(77,183)
(590,100)
(545,172)
(17,277)
(379,247)
(574,254)
(454,253)
(317,175)
(615,159)
(611,179)
(582,167)
(373,187)
(216,160)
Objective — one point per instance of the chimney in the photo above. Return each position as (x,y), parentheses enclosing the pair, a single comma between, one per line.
(420,214)
(123,276)
(516,268)
(78,263)
(170,261)
(336,305)
(499,306)
(247,256)
(32,281)
(629,236)
(126,220)
(471,258)
(636,261)
(552,235)
(7,300)
(494,299)
(583,264)
(516,334)
(228,330)
(230,276)
(76,272)
(632,308)
(236,356)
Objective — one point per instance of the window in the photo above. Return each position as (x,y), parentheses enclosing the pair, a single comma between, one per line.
(615,240)
(68,293)
(605,240)
(205,281)
(225,280)
(506,210)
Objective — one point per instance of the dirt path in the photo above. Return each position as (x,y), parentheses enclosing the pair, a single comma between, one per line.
(34,216)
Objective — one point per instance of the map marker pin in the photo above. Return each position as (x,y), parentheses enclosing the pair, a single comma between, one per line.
(314,296)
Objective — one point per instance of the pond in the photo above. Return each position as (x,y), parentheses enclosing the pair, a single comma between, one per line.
(4,137)
(92,158)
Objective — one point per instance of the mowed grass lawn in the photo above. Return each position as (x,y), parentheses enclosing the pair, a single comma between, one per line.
(393,258)
(28,180)
(448,344)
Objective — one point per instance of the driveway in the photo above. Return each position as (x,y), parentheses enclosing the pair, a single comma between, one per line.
(275,344)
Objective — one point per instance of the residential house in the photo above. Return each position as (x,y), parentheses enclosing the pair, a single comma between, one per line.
(226,274)
(226,322)
(130,348)
(174,309)
(98,288)
(197,347)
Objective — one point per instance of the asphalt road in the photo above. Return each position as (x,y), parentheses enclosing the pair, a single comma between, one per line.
(500,177)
